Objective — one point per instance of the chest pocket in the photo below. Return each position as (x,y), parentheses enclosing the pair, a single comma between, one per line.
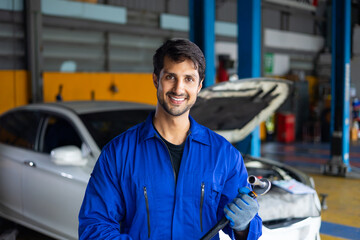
(204,193)
(208,188)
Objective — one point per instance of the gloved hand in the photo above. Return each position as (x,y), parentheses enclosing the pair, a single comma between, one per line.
(241,210)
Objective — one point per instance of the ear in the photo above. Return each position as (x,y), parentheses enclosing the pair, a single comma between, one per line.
(155,80)
(200,86)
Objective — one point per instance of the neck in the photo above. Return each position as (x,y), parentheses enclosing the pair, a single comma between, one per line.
(173,128)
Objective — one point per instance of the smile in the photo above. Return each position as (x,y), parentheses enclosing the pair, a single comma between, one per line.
(177,99)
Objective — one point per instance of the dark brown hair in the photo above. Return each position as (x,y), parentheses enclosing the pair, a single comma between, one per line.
(178,50)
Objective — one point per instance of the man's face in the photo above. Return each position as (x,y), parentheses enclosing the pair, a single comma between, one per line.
(177,86)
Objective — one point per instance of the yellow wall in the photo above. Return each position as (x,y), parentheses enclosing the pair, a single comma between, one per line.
(13,89)
(137,87)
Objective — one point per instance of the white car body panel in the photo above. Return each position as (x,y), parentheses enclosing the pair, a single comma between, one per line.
(47,186)
(10,182)
(38,189)
(41,199)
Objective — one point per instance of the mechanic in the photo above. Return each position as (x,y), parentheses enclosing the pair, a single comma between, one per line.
(169,177)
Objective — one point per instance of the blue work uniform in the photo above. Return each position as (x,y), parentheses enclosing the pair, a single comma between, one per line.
(133,194)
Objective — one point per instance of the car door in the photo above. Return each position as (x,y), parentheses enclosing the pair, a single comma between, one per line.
(53,193)
(18,131)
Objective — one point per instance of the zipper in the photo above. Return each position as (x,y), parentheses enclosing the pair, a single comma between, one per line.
(172,166)
(147,210)
(201,204)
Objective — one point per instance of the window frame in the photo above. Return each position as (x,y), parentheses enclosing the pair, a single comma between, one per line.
(43,126)
(34,146)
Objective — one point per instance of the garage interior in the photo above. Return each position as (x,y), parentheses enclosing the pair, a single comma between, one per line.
(74,50)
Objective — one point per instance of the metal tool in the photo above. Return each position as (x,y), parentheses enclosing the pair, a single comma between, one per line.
(260,187)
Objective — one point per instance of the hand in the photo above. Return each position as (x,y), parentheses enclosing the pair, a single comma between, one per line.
(241,210)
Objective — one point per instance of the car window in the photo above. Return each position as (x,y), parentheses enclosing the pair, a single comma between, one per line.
(19,128)
(104,126)
(58,132)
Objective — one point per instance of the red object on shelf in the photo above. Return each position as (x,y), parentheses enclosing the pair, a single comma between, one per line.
(285,127)
(223,75)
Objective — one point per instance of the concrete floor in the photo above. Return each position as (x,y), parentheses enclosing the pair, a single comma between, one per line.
(343,202)
(341,219)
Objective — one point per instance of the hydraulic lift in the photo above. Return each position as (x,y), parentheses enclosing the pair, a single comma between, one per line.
(339,163)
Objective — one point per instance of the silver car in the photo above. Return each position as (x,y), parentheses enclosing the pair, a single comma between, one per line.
(48,150)
(47,153)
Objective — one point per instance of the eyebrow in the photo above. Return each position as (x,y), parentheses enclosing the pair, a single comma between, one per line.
(174,74)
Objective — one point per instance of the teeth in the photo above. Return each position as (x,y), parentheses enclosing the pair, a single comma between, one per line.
(178,99)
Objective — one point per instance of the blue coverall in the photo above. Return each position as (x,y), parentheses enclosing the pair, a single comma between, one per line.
(133,194)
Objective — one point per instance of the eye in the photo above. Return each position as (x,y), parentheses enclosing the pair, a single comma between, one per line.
(169,77)
(189,79)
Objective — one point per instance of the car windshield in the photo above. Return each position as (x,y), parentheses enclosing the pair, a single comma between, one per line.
(104,126)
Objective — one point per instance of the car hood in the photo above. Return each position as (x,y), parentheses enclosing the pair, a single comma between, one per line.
(233,109)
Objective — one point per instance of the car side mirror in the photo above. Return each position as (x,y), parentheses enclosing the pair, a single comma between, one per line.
(68,155)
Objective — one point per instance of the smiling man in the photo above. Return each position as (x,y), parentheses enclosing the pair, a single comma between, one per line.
(177,84)
(169,177)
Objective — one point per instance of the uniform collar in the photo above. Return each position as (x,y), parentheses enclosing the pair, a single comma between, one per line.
(197,132)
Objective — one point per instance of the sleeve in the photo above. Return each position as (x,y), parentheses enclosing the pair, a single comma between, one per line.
(237,178)
(103,207)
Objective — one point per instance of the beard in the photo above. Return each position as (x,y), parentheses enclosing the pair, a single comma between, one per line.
(175,110)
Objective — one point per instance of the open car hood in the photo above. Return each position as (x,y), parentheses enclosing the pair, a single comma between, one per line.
(233,109)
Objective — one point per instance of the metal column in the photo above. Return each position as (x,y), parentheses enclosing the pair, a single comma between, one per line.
(202,32)
(339,163)
(249,52)
(33,26)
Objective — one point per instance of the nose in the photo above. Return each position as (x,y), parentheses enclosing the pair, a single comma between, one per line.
(179,87)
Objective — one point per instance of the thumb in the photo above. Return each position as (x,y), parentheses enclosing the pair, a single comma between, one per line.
(244,190)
